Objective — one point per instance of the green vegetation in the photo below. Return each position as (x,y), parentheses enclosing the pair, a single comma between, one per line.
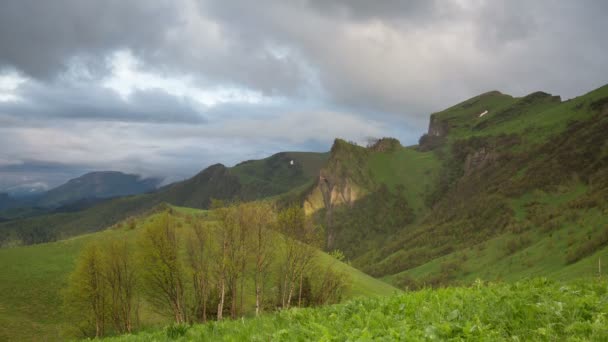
(519,192)
(34,279)
(247,181)
(533,310)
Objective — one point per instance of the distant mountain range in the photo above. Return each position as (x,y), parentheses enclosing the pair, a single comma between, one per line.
(91,186)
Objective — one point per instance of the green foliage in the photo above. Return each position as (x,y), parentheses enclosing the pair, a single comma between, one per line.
(176,331)
(533,310)
(492,169)
(366,223)
(87,295)
(34,277)
(276,174)
(590,246)
(247,181)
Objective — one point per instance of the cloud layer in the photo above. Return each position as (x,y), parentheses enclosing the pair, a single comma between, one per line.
(165,88)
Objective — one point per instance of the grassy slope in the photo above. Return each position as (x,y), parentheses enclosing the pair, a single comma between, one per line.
(251,180)
(384,188)
(416,171)
(535,120)
(535,310)
(544,253)
(33,277)
(540,249)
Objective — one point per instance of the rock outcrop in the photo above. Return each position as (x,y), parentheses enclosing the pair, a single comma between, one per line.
(478,160)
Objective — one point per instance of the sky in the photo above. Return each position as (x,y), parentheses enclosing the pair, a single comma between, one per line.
(165,88)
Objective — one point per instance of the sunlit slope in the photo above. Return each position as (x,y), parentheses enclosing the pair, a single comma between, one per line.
(537,310)
(246,181)
(366,195)
(33,278)
(521,192)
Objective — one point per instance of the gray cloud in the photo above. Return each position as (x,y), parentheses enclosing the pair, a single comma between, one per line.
(50,101)
(41,37)
(336,67)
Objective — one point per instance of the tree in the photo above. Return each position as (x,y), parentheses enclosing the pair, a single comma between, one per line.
(198,258)
(226,222)
(300,241)
(120,278)
(162,269)
(261,218)
(86,292)
(330,283)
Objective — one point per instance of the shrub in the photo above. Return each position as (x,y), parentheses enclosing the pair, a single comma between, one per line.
(176,330)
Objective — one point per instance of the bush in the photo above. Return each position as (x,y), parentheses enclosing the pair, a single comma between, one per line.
(176,331)
(588,247)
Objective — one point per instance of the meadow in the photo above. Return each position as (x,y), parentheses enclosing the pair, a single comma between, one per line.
(529,310)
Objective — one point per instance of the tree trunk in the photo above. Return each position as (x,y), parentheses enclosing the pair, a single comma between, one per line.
(291,288)
(233,303)
(257,295)
(284,291)
(242,291)
(300,294)
(204,301)
(220,305)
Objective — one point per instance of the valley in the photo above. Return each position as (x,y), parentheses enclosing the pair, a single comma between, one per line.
(512,195)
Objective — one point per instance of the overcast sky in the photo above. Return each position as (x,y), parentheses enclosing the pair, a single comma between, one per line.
(166,88)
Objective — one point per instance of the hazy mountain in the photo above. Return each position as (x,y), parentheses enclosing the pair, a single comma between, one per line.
(97,185)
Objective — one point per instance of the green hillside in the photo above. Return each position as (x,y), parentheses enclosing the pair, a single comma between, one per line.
(33,278)
(365,196)
(516,192)
(536,310)
(246,181)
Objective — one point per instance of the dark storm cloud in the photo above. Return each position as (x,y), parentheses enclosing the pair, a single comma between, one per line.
(347,68)
(412,57)
(41,37)
(47,102)
(368,56)
(381,10)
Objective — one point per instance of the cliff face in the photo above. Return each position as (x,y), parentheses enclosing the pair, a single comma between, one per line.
(478,160)
(340,182)
(437,127)
(435,136)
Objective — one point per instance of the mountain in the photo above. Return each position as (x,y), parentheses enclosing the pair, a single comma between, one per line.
(103,184)
(272,176)
(249,180)
(5,200)
(499,187)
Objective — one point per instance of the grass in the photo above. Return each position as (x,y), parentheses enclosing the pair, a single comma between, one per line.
(533,310)
(33,277)
(415,171)
(543,255)
(251,180)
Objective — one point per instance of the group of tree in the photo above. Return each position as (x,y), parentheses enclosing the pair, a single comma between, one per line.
(193,269)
